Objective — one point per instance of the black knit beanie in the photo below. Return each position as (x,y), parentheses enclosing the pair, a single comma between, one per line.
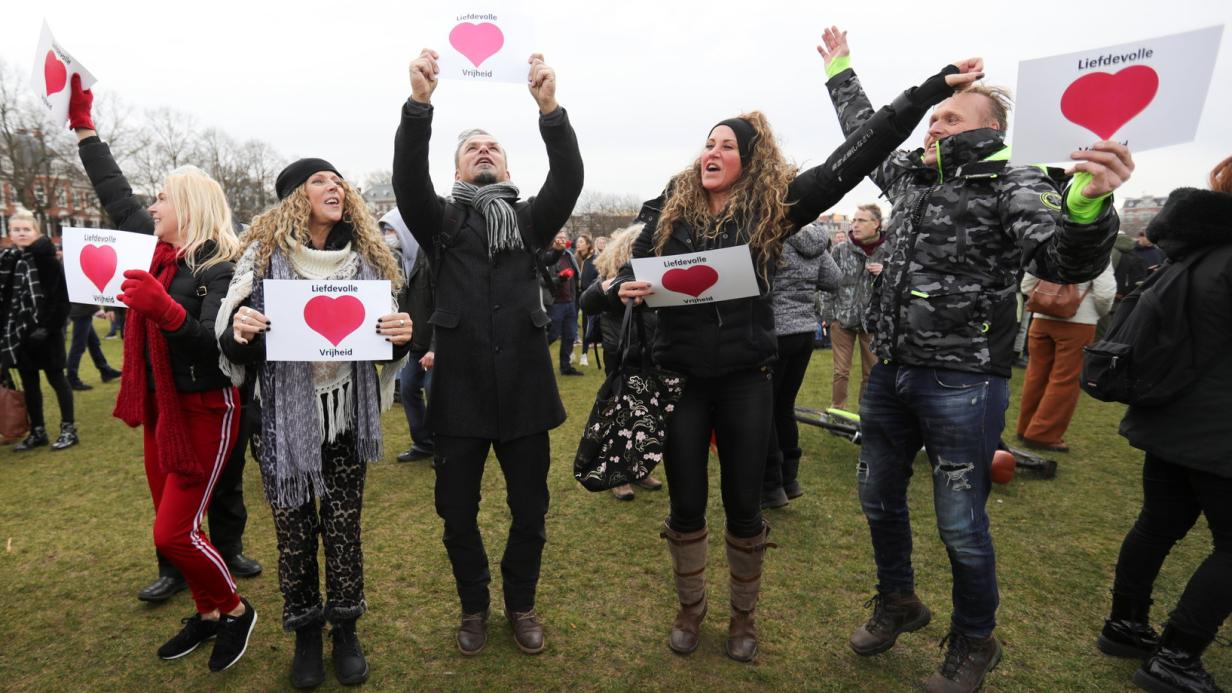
(296,173)
(745,136)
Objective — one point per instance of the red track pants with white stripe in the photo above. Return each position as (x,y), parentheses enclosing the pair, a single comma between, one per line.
(213,420)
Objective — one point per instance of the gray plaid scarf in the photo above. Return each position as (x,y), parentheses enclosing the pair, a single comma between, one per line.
(493,201)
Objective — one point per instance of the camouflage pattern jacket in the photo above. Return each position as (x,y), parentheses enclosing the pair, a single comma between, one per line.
(849,302)
(961,234)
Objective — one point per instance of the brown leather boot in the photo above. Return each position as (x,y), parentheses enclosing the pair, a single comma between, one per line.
(967,661)
(688,551)
(744,557)
(893,613)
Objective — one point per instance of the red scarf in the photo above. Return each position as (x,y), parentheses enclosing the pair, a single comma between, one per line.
(142,337)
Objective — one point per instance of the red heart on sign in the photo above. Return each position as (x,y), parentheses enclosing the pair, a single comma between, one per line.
(98,263)
(1102,103)
(477,42)
(692,281)
(334,318)
(55,76)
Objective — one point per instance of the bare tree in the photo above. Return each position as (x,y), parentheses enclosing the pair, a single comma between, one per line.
(36,158)
(599,214)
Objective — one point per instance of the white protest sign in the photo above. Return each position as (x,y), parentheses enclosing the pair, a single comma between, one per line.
(95,261)
(1145,94)
(319,320)
(53,71)
(692,278)
(485,46)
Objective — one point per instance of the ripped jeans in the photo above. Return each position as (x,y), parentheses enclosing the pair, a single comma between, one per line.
(958,417)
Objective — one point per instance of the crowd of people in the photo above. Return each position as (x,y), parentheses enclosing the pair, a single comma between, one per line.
(930,295)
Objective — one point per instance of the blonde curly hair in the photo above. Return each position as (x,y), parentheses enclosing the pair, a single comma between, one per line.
(619,250)
(286,224)
(758,197)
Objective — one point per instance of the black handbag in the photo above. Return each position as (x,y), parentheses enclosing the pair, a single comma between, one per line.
(623,439)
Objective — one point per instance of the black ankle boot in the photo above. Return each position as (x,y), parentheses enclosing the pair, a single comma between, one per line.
(308,665)
(1127,630)
(68,436)
(349,664)
(37,438)
(1177,665)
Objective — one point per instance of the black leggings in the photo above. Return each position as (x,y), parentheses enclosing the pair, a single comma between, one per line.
(737,408)
(783,460)
(1173,498)
(34,394)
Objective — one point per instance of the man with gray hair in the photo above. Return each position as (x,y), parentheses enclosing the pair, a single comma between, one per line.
(492,383)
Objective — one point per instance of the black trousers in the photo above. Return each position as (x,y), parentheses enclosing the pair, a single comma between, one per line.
(48,357)
(783,458)
(1173,498)
(459,467)
(737,408)
(227,514)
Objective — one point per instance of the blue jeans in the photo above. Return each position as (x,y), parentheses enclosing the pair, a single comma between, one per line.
(564,326)
(413,382)
(958,417)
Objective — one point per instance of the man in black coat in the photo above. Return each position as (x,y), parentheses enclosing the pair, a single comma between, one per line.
(492,383)
(227,514)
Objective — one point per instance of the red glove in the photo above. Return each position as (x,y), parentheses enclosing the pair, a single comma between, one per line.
(566,272)
(79,104)
(146,295)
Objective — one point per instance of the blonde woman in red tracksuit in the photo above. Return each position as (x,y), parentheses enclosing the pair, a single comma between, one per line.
(190,410)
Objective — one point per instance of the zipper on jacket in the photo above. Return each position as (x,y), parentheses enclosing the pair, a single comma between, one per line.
(916,217)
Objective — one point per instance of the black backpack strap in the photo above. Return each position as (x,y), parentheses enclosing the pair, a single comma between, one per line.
(451,226)
(526,226)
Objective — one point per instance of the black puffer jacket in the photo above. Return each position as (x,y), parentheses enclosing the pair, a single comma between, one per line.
(1192,430)
(193,348)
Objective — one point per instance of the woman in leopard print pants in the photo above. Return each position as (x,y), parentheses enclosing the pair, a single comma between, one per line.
(320,421)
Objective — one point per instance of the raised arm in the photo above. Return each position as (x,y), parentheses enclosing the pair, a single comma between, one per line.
(126,211)
(550,209)
(421,208)
(820,187)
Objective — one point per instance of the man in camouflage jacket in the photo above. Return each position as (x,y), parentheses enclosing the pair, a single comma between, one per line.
(964,224)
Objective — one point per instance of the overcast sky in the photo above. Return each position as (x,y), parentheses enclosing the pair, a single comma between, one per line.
(642,80)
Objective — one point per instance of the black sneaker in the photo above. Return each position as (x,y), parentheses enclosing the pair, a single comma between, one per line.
(196,630)
(233,634)
(37,438)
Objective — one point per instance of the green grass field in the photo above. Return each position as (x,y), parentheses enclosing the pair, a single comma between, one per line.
(75,529)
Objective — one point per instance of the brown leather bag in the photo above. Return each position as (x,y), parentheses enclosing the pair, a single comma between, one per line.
(1056,300)
(14,423)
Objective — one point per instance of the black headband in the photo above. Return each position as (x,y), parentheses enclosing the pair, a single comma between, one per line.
(746,136)
(296,173)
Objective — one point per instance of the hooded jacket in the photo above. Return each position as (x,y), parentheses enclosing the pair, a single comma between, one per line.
(802,268)
(960,235)
(1192,430)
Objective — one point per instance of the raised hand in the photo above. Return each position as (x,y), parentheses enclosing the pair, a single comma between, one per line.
(541,80)
(80,103)
(1109,163)
(969,70)
(834,45)
(423,75)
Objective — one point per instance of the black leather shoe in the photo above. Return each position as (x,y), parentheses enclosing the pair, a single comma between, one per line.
(79,386)
(243,566)
(571,371)
(162,589)
(1176,665)
(107,373)
(415,454)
